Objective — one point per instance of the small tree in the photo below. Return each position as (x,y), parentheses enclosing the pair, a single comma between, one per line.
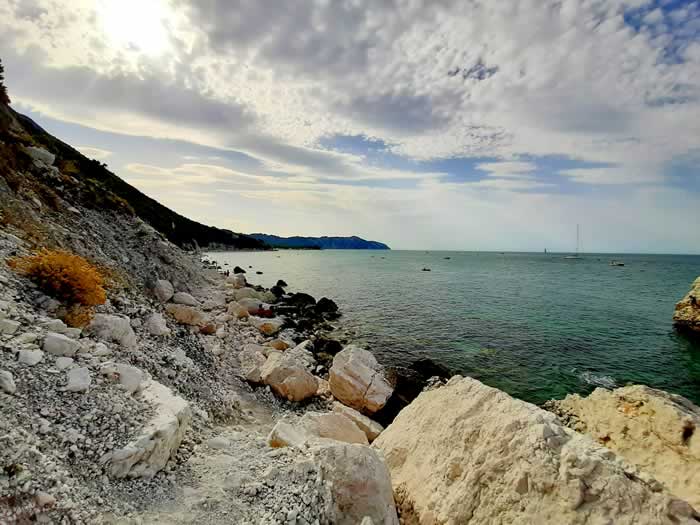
(4,97)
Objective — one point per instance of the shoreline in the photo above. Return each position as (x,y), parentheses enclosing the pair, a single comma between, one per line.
(235,422)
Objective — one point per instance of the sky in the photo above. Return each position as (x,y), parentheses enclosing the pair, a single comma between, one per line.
(434,124)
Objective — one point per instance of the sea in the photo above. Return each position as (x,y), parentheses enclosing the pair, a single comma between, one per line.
(538,326)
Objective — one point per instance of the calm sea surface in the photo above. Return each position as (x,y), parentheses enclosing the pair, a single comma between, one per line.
(537,326)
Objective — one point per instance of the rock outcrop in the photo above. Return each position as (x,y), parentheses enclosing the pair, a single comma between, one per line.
(148,453)
(469,453)
(687,314)
(357,380)
(657,431)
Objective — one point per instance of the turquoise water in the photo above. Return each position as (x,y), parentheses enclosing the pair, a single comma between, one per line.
(537,326)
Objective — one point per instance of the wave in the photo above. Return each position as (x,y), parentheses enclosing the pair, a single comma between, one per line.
(590,378)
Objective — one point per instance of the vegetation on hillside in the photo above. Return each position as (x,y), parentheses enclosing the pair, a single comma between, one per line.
(63,275)
(87,182)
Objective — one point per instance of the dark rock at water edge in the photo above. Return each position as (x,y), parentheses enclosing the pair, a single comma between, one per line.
(326,305)
(278,291)
(408,383)
(238,269)
(281,283)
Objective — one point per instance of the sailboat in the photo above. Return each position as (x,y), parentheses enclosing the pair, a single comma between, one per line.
(576,255)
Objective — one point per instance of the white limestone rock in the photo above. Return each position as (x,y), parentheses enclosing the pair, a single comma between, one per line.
(236,280)
(468,453)
(252,360)
(185,298)
(267,326)
(113,328)
(163,290)
(357,380)
(130,378)
(30,357)
(360,483)
(60,345)
(657,431)
(9,326)
(7,382)
(64,362)
(156,325)
(288,378)
(157,442)
(313,428)
(372,429)
(79,380)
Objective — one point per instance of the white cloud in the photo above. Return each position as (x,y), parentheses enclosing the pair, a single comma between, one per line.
(433,80)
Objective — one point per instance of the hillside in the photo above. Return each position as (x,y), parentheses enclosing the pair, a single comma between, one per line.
(323,243)
(89,183)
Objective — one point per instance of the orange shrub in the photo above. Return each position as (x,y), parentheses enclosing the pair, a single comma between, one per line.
(78,316)
(63,275)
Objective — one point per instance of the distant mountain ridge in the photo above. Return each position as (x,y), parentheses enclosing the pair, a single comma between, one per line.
(323,243)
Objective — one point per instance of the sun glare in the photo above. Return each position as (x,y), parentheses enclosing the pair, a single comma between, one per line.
(138,24)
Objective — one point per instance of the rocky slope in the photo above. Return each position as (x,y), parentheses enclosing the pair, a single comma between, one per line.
(321,243)
(687,314)
(67,175)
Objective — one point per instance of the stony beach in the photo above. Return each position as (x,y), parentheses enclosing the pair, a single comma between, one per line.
(191,395)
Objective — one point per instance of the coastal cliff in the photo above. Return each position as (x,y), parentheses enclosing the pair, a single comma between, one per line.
(138,384)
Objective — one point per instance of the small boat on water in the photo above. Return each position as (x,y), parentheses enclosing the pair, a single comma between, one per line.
(576,255)
(616,263)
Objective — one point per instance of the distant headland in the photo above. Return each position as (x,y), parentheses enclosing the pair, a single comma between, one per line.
(320,243)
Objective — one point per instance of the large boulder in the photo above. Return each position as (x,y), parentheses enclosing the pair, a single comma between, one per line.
(186,314)
(287,377)
(313,428)
(357,380)
(687,314)
(40,156)
(113,328)
(360,483)
(469,453)
(657,431)
(148,453)
(163,290)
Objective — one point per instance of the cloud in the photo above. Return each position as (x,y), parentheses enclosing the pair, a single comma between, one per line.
(610,88)
(507,169)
